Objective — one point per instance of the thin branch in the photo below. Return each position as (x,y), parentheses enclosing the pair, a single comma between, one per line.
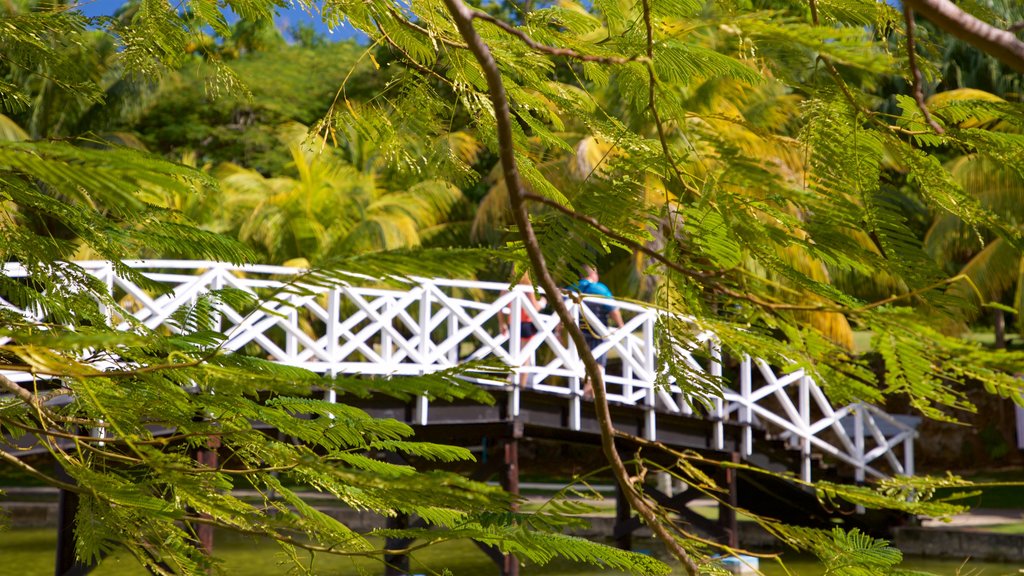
(56,433)
(593,223)
(1001,44)
(118,373)
(652,82)
(463,17)
(554,50)
(50,480)
(108,374)
(417,28)
(912,293)
(236,471)
(16,389)
(306,545)
(775,306)
(915,72)
(113,441)
(833,72)
(409,59)
(842,84)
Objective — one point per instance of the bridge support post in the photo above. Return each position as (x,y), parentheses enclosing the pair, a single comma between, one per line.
(66,564)
(207,457)
(396,564)
(727,509)
(623,530)
(510,482)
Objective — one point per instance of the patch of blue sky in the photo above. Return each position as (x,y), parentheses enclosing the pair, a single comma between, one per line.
(286,19)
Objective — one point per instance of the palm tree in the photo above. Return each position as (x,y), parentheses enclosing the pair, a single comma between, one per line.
(994,266)
(330,207)
(964,66)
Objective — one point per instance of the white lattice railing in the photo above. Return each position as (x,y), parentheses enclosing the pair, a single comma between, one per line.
(359,328)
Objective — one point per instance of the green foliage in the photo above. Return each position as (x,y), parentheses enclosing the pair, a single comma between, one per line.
(746,151)
(288,84)
(849,553)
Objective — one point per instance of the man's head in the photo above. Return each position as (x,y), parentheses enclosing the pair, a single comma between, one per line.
(590,273)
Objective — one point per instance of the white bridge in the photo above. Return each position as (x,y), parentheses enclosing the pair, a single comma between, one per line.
(362,326)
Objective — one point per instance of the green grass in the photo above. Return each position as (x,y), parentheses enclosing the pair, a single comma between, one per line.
(31,552)
(998,489)
(1016,528)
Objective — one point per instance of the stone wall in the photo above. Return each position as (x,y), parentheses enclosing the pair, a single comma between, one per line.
(958,544)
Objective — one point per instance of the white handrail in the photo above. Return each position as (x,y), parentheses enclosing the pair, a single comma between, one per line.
(359,326)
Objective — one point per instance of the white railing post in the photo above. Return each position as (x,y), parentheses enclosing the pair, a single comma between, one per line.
(649,356)
(108,279)
(291,341)
(718,415)
(99,432)
(650,414)
(515,348)
(575,388)
(423,325)
(453,328)
(217,283)
(515,338)
(332,324)
(628,373)
(745,414)
(805,423)
(386,353)
(858,441)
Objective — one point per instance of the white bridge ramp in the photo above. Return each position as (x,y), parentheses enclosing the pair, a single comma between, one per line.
(364,327)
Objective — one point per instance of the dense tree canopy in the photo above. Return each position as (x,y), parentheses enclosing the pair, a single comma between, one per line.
(745,164)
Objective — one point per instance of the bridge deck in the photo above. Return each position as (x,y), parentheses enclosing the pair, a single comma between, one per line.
(547,447)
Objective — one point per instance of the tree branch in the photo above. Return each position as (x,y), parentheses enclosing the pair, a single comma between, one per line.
(1002,44)
(553,50)
(409,59)
(915,72)
(50,480)
(463,17)
(593,223)
(774,306)
(413,26)
(652,81)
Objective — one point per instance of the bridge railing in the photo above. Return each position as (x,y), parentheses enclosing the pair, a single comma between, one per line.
(360,326)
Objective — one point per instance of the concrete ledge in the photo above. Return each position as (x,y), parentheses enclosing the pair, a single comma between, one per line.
(30,514)
(954,544)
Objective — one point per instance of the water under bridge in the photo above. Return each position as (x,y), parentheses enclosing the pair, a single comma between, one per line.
(772,416)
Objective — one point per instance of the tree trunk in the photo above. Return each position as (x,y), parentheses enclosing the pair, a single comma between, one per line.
(1000,326)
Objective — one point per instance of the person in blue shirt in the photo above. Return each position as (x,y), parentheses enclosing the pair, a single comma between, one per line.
(590,285)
